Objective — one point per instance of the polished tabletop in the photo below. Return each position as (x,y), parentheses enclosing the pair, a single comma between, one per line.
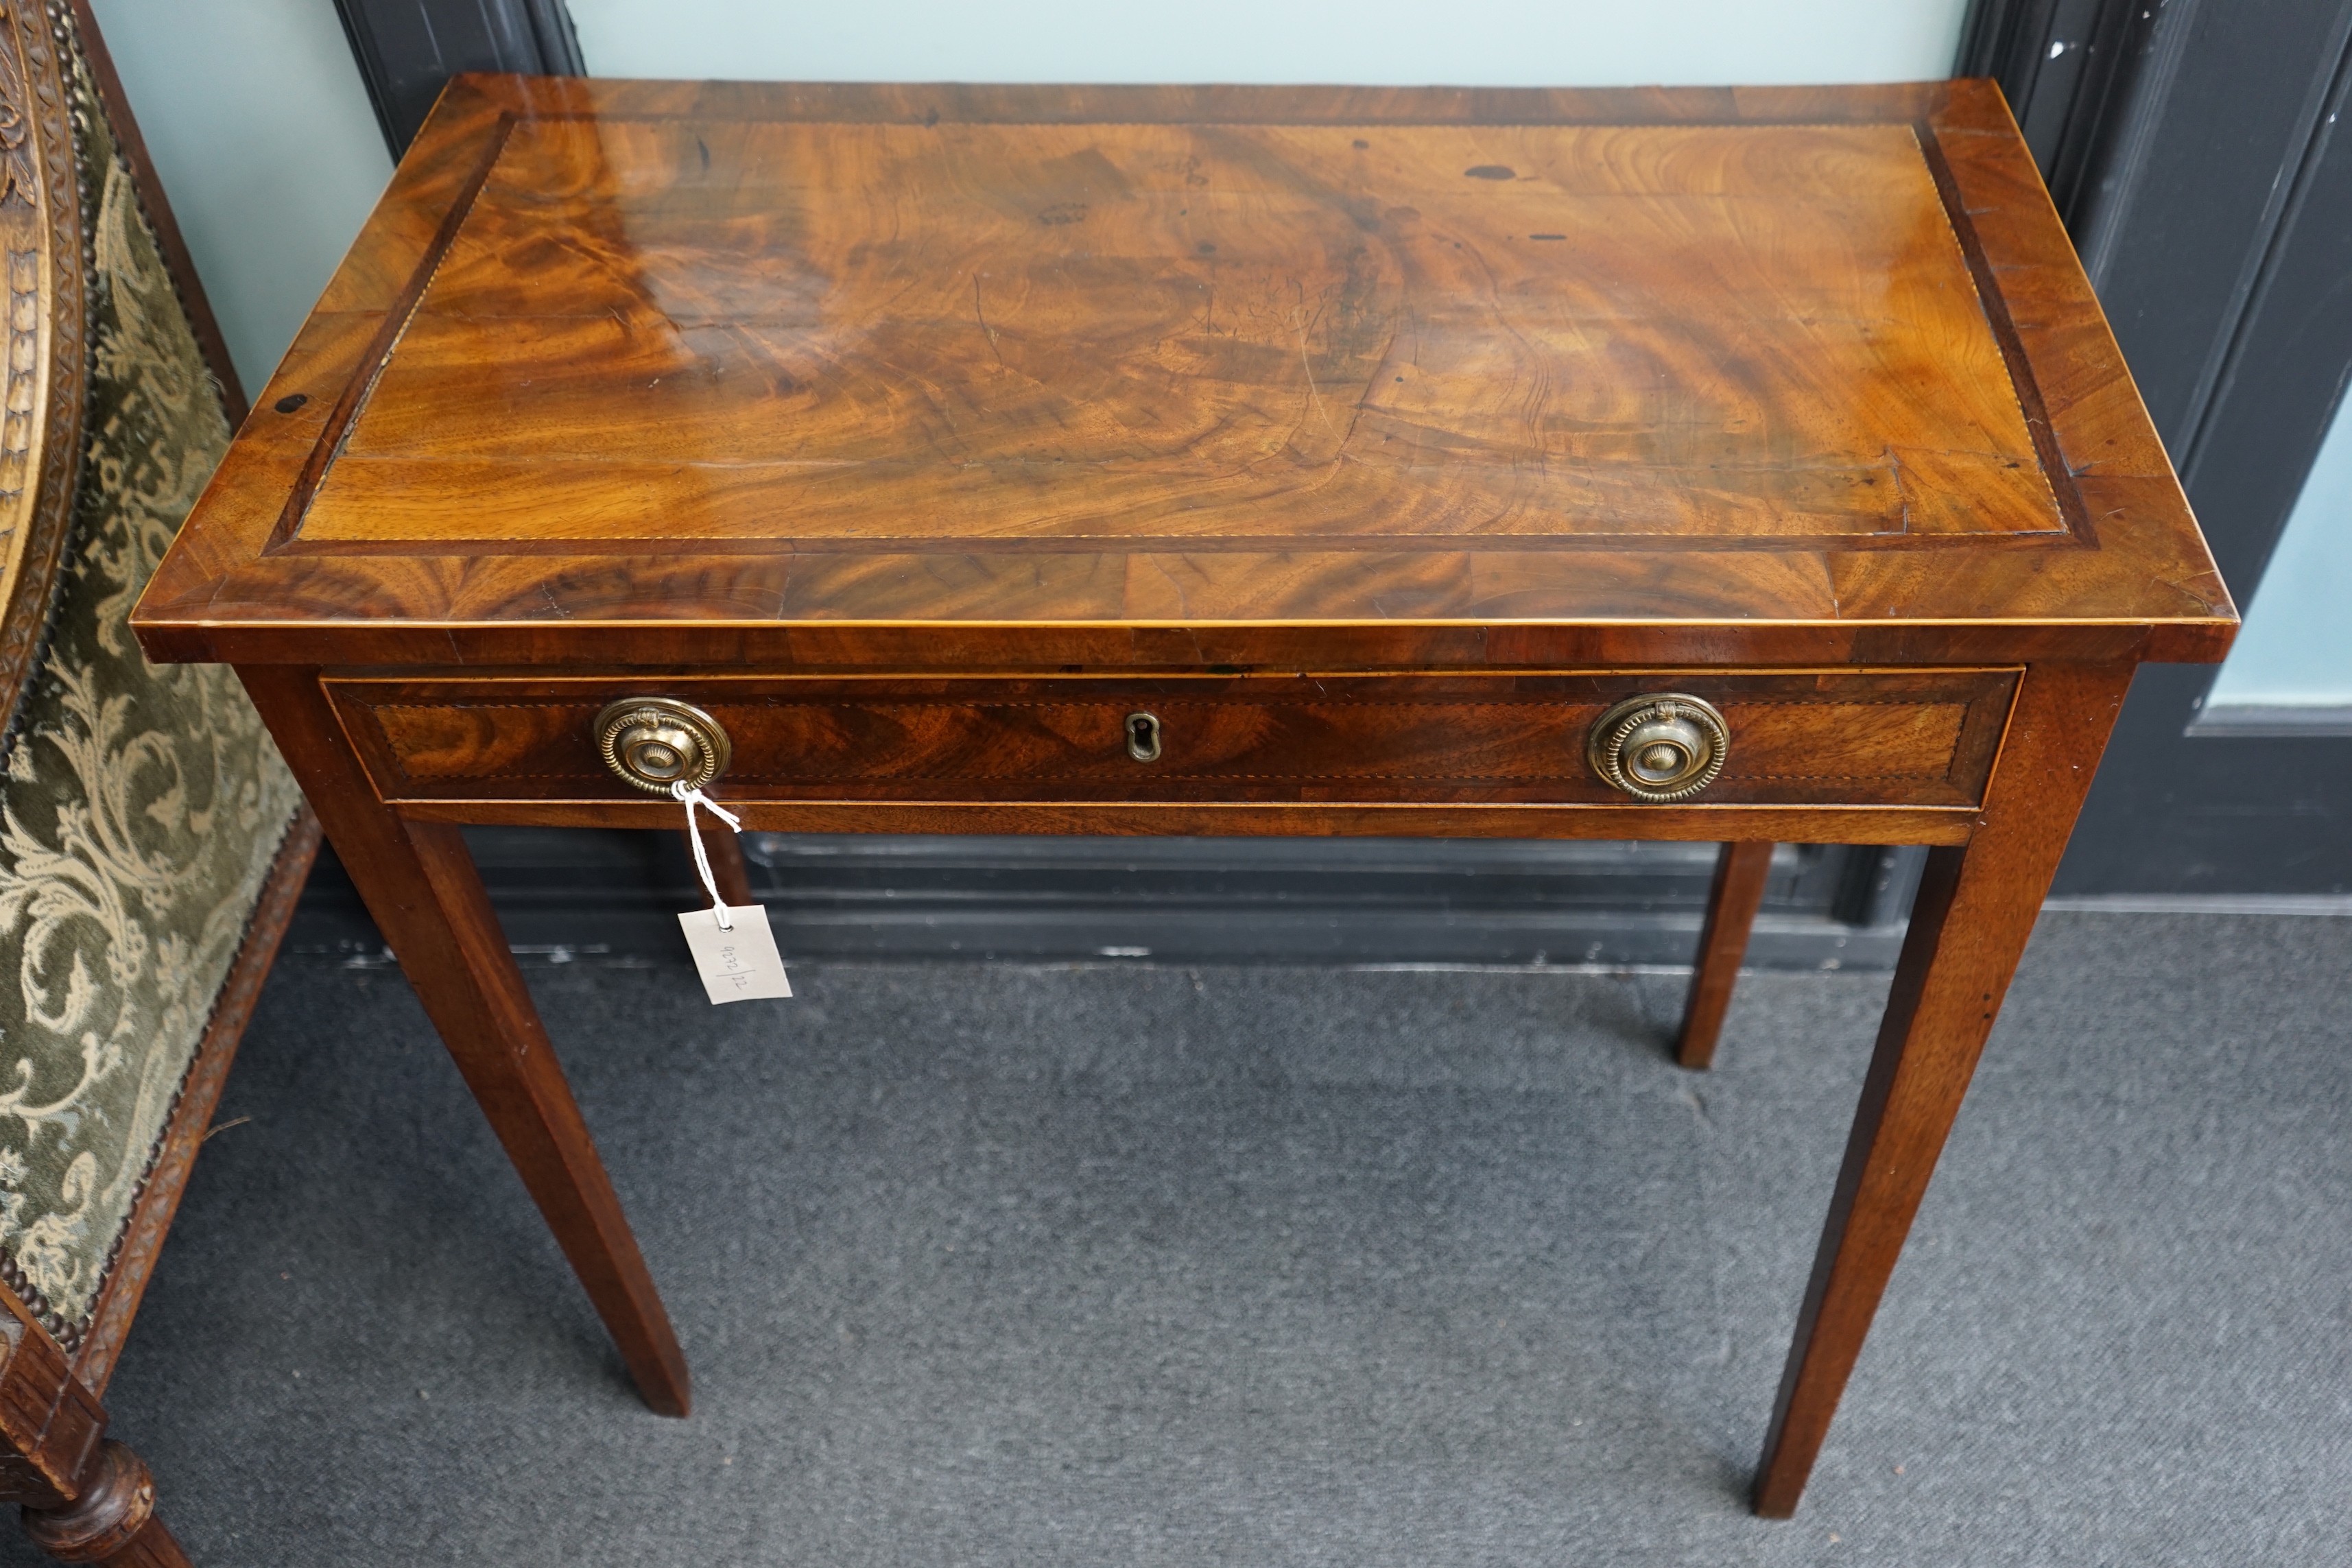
(1794,374)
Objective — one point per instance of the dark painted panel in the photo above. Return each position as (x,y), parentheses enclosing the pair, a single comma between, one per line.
(2203,814)
(2179,233)
(2230,287)
(2202,174)
(2067,66)
(407,49)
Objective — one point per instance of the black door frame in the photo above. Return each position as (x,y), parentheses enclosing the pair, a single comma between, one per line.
(2193,149)
(407,49)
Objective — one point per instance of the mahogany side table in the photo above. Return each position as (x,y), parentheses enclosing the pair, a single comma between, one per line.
(1739,466)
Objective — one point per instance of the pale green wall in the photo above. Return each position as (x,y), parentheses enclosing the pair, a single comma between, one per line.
(261,128)
(1484,43)
(2296,648)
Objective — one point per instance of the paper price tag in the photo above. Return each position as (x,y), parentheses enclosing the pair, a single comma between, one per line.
(738,965)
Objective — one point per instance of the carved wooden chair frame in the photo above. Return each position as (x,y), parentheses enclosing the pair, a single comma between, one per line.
(87,1498)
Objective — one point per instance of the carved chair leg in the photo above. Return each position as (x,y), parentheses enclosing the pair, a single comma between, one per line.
(111,1520)
(1731,904)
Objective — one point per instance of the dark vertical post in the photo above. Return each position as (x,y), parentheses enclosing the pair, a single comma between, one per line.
(1740,872)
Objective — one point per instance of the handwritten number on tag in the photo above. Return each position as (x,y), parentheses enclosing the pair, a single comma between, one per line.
(734,950)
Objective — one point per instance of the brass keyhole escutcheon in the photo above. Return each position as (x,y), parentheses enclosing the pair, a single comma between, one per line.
(1143,737)
(654,743)
(1661,748)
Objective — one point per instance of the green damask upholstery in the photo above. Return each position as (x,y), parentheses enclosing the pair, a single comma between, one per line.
(142,805)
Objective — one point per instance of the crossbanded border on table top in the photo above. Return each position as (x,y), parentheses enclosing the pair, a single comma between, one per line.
(2115,563)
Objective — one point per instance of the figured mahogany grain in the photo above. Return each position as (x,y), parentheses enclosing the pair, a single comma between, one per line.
(976,336)
(719,365)
(1860,738)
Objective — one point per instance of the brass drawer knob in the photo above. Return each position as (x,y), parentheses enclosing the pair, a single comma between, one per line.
(1660,747)
(654,743)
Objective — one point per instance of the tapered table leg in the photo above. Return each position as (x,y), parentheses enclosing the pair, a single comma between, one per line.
(1731,903)
(1974,912)
(420,884)
(724,846)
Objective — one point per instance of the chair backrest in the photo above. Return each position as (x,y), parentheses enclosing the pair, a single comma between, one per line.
(41,249)
(145,816)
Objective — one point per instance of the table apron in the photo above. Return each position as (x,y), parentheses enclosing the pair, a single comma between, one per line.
(1836,755)
(1702,825)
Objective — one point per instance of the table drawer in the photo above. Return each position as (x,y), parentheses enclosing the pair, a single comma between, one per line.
(1803,738)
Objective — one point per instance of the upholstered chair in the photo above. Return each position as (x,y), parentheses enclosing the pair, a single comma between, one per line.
(151,842)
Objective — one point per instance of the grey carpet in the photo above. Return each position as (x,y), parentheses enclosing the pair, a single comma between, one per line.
(1144,1266)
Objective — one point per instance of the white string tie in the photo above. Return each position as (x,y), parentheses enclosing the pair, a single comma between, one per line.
(691,797)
